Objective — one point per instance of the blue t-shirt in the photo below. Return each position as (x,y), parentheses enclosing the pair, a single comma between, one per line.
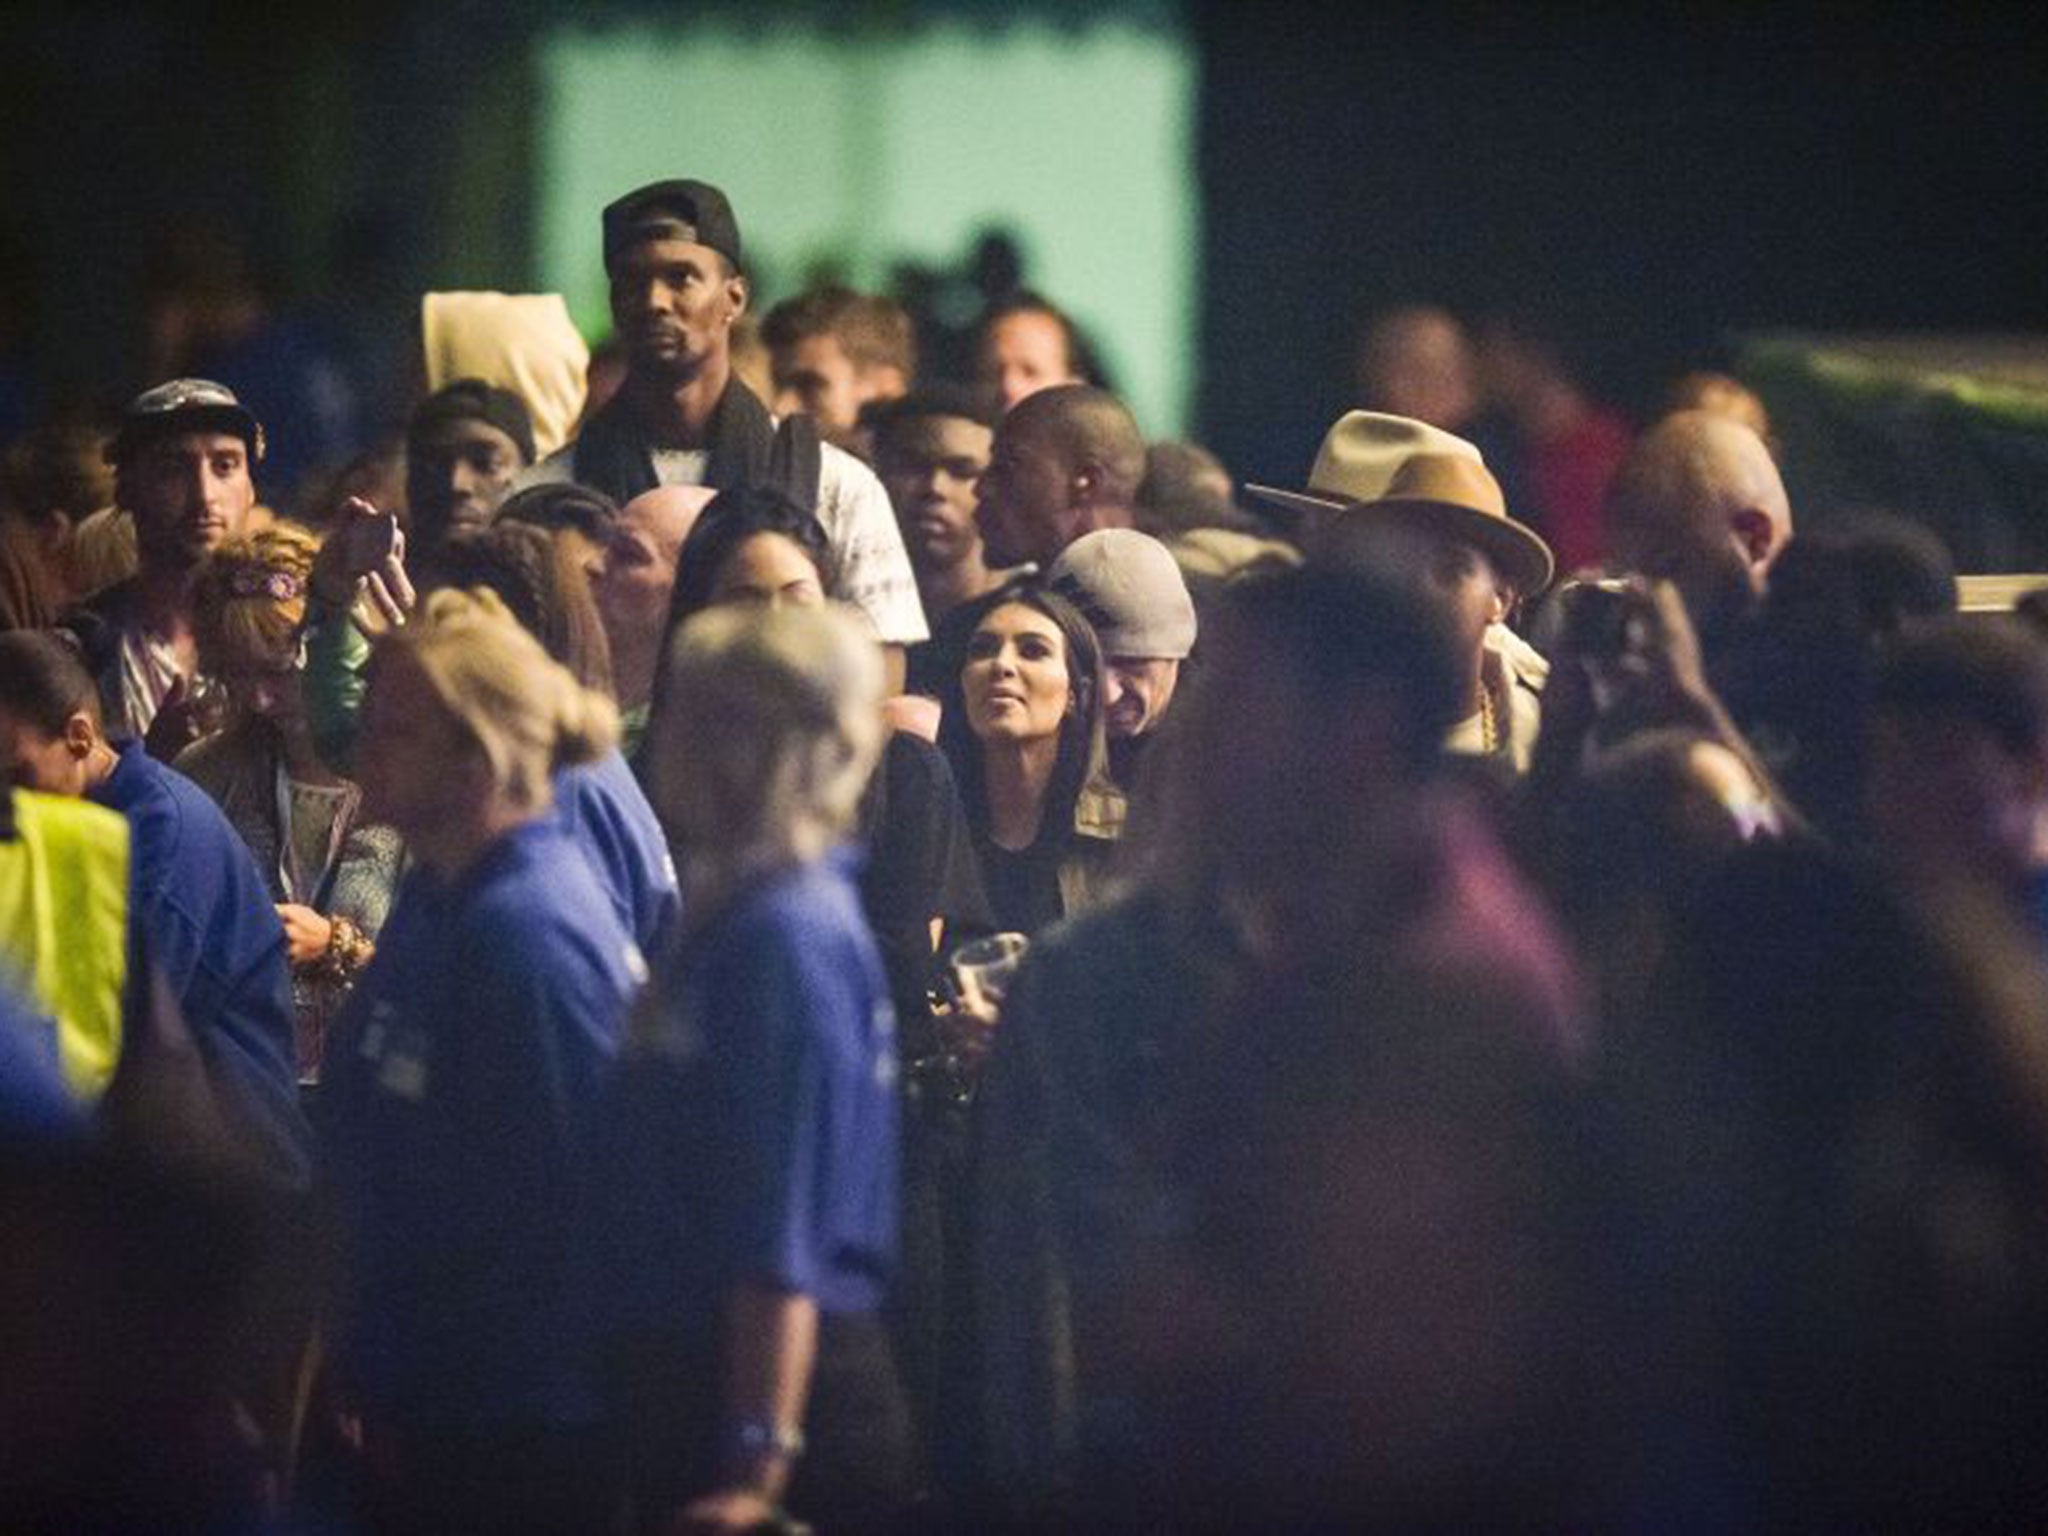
(463,1079)
(208,924)
(606,811)
(761,1105)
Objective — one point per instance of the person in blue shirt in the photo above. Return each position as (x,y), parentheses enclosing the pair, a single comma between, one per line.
(204,912)
(464,1078)
(538,573)
(759,1096)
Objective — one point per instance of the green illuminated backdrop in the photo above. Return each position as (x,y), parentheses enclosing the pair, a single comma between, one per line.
(860,150)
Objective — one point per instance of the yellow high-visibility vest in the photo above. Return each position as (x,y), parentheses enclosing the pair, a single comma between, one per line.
(64,927)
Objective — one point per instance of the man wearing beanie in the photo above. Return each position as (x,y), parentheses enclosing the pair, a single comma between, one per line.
(678,283)
(464,446)
(1131,589)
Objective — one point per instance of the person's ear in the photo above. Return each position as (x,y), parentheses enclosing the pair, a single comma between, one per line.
(1084,483)
(80,734)
(1752,530)
(1503,605)
(737,294)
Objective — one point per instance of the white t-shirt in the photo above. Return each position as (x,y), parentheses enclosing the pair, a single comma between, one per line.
(871,568)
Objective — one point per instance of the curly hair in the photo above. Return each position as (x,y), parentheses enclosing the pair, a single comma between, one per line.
(250,603)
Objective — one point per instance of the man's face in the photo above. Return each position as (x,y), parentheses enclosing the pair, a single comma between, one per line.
(1020,355)
(457,473)
(1460,578)
(813,375)
(1025,511)
(931,467)
(634,575)
(1135,692)
(674,302)
(189,492)
(31,758)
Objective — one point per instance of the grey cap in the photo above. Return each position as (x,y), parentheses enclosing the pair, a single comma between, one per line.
(1130,588)
(185,405)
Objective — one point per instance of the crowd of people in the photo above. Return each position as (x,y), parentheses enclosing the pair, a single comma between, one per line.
(733,937)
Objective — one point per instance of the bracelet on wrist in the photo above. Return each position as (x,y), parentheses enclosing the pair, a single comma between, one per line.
(348,950)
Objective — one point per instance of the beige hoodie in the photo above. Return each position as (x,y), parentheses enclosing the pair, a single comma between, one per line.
(524,342)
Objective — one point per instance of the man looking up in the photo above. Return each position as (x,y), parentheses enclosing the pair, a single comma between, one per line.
(1025,345)
(834,352)
(681,417)
(182,461)
(1699,502)
(1064,463)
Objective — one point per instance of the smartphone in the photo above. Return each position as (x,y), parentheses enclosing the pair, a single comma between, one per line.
(378,540)
(1602,619)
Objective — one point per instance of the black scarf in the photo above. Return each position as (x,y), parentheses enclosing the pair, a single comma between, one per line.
(742,447)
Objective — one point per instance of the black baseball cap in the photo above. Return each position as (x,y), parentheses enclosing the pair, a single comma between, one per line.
(184,405)
(694,211)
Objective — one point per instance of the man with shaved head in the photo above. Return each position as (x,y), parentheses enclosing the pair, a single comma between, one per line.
(1699,502)
(632,577)
(1066,461)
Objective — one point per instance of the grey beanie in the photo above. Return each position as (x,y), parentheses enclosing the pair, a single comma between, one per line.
(1130,588)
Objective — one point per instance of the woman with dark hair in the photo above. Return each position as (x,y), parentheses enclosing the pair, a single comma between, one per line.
(919,881)
(755,546)
(1026,741)
(539,574)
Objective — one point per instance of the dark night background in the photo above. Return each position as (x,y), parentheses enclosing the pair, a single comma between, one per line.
(1649,181)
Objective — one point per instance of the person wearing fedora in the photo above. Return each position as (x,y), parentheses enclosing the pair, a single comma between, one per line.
(683,417)
(1403,496)
(182,461)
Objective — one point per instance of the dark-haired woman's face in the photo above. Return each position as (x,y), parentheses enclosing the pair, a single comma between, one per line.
(769,570)
(1016,681)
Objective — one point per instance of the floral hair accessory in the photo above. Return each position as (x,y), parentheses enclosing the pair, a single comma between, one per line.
(254,581)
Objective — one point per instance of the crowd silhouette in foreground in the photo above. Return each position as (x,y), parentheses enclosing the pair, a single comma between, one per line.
(733,937)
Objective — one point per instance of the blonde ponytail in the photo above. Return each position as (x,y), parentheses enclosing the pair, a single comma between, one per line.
(524,710)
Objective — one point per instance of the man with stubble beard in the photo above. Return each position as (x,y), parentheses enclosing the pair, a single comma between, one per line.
(182,468)
(682,417)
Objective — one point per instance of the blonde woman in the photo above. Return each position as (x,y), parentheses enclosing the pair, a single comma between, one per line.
(462,1088)
(330,870)
(760,1089)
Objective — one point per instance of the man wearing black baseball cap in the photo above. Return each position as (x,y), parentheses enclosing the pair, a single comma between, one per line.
(182,463)
(678,283)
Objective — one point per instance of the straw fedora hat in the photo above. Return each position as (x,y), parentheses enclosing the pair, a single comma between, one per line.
(1358,459)
(1458,496)
(1373,464)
